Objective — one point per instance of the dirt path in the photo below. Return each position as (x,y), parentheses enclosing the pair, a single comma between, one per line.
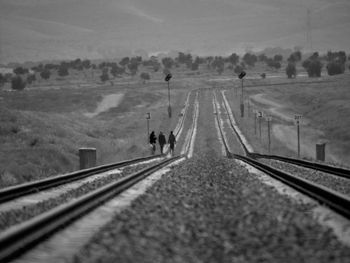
(286,133)
(108,102)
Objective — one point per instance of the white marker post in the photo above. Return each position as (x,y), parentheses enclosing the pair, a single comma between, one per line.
(255,116)
(269,119)
(148,117)
(260,116)
(297,119)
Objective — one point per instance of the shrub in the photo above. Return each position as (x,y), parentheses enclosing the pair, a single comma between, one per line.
(291,70)
(17,83)
(63,71)
(45,74)
(335,68)
(104,77)
(313,67)
(145,76)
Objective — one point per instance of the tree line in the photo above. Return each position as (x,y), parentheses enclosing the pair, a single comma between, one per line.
(335,64)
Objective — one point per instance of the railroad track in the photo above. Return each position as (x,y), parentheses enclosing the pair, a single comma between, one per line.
(337,171)
(337,202)
(19,238)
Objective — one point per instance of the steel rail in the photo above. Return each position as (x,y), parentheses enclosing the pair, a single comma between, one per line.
(338,202)
(341,172)
(228,153)
(10,193)
(245,149)
(24,236)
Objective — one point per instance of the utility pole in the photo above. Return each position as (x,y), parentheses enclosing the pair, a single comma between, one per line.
(297,120)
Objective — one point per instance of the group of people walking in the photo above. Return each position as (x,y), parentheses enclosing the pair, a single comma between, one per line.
(162,142)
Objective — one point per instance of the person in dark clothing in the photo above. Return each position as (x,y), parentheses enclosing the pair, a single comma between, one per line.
(152,141)
(172,142)
(161,141)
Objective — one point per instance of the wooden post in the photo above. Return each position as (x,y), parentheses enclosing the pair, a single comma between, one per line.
(87,158)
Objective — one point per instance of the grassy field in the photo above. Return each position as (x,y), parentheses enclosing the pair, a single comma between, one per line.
(323,103)
(41,128)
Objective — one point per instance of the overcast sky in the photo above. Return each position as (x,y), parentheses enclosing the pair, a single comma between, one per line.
(65,29)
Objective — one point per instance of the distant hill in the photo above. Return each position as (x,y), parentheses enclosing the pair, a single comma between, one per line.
(65,29)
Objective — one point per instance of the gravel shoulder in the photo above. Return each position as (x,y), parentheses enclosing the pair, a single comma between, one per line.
(341,185)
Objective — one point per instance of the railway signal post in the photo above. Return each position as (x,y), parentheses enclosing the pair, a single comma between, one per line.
(297,119)
(167,79)
(241,77)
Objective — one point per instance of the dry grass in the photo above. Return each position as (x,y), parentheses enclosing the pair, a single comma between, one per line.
(41,130)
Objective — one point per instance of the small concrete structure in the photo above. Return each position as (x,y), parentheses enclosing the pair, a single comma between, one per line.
(87,158)
(321,151)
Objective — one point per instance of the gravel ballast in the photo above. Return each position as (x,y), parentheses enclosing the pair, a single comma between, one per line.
(336,183)
(210,209)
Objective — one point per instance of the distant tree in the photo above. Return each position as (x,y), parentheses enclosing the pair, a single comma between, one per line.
(313,66)
(45,74)
(168,62)
(133,67)
(291,70)
(145,76)
(262,57)
(104,76)
(2,79)
(273,64)
(278,58)
(86,64)
(199,60)
(250,59)
(115,70)
(124,61)
(31,78)
(336,56)
(335,68)
(294,57)
(233,59)
(263,75)
(20,71)
(63,71)
(51,66)
(17,83)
